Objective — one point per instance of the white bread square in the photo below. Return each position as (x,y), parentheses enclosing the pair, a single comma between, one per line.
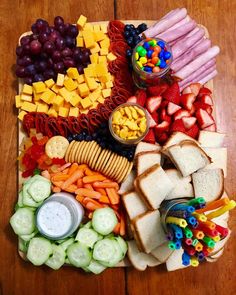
(133,204)
(128,184)
(211,139)
(145,160)
(218,157)
(174,262)
(146,147)
(162,252)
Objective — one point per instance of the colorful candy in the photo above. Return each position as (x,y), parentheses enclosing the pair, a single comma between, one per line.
(152,56)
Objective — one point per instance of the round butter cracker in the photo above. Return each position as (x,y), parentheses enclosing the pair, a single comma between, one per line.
(68,151)
(56,147)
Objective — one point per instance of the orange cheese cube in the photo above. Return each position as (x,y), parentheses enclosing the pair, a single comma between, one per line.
(103,27)
(101,69)
(106,92)
(21,115)
(55,88)
(74,112)
(75,99)
(36,96)
(94,58)
(95,48)
(96,28)
(81,21)
(28,106)
(84,111)
(52,112)
(58,101)
(63,112)
(101,99)
(72,73)
(26,97)
(99,36)
(105,78)
(39,87)
(109,84)
(86,102)
(92,84)
(89,72)
(102,59)
(18,101)
(42,108)
(49,83)
(83,89)
(79,41)
(111,56)
(67,95)
(27,89)
(105,43)
(60,79)
(70,84)
(80,79)
(48,96)
(89,40)
(104,51)
(88,27)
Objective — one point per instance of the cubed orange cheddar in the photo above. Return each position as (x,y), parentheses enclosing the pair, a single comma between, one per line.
(75,99)
(58,101)
(79,41)
(103,27)
(95,48)
(88,38)
(96,28)
(73,112)
(111,56)
(102,59)
(105,78)
(42,108)
(86,102)
(27,89)
(101,69)
(99,36)
(63,112)
(94,58)
(91,83)
(88,72)
(81,21)
(18,101)
(88,27)
(52,112)
(105,43)
(39,87)
(104,51)
(101,99)
(80,79)
(48,96)
(67,95)
(109,84)
(70,84)
(60,79)
(83,89)
(56,88)
(21,115)
(28,106)
(72,73)
(26,97)
(36,96)
(49,83)
(106,92)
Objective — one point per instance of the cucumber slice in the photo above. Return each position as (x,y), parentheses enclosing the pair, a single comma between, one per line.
(79,255)
(67,243)
(20,199)
(117,256)
(87,236)
(58,242)
(22,245)
(23,221)
(40,188)
(27,238)
(39,250)
(104,250)
(27,199)
(100,237)
(67,261)
(88,225)
(85,269)
(95,267)
(58,257)
(123,245)
(104,220)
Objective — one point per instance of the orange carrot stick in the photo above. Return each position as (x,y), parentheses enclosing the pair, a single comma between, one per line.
(116,230)
(122,225)
(88,193)
(63,167)
(60,177)
(88,186)
(73,168)
(91,206)
(104,199)
(106,184)
(214,205)
(113,196)
(95,202)
(79,198)
(80,183)
(88,172)
(56,189)
(71,188)
(101,191)
(93,178)
(58,183)
(65,171)
(73,178)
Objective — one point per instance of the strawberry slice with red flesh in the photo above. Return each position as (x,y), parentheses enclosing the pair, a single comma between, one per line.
(178,125)
(152,123)
(157,89)
(193,131)
(187,100)
(211,128)
(204,119)
(204,90)
(164,104)
(181,113)
(189,122)
(200,105)
(172,108)
(162,137)
(132,99)
(162,127)
(205,98)
(186,90)
(172,93)
(150,137)
(155,117)
(153,103)
(164,116)
(141,97)
(195,88)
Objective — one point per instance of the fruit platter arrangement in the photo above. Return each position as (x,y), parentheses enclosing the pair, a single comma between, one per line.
(120,161)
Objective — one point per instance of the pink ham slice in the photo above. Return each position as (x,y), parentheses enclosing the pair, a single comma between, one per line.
(197,63)
(183,45)
(184,21)
(165,23)
(208,77)
(199,48)
(179,32)
(172,43)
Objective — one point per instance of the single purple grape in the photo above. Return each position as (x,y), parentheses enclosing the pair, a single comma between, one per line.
(80,69)
(34,29)
(24,40)
(20,61)
(61,29)
(52,29)
(42,65)
(72,31)
(40,24)
(66,52)
(58,20)
(28,80)
(68,62)
(43,37)
(20,72)
(85,58)
(50,63)
(60,43)
(56,56)
(26,60)
(67,25)
(19,50)
(30,70)
(59,67)
(48,74)
(35,47)
(53,36)
(48,47)
(70,42)
(26,49)
(34,37)
(43,55)
(38,77)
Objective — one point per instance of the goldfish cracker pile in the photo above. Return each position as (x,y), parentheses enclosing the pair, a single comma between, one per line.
(129,122)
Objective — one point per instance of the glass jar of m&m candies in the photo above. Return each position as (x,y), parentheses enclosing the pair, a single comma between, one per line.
(151,60)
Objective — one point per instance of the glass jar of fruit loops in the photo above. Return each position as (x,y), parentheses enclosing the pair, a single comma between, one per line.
(151,60)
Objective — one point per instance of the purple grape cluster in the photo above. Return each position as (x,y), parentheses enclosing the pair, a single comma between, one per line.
(49,50)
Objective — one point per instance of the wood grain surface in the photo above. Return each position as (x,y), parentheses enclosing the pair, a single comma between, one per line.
(19,277)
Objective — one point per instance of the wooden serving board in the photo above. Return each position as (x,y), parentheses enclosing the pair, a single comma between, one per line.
(21,134)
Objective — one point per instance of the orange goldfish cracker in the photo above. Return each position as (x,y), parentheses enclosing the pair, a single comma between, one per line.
(73,178)
(88,193)
(93,178)
(113,196)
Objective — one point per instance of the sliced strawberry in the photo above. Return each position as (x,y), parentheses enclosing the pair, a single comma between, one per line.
(187,100)
(150,137)
(162,137)
(155,117)
(204,119)
(162,127)
(153,103)
(189,122)
(172,93)
(211,128)
(157,89)
(193,110)
(178,125)
(164,116)
(195,88)
(187,90)
(132,99)
(200,105)
(152,123)
(193,131)
(204,90)
(141,97)
(172,108)
(181,113)
(164,103)
(205,98)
